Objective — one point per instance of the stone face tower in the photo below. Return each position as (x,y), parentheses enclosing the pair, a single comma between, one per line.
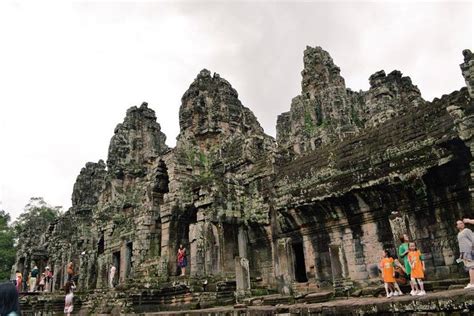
(348,172)
(322,112)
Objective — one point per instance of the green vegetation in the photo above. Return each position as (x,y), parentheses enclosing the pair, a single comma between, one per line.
(7,246)
(309,127)
(37,215)
(355,118)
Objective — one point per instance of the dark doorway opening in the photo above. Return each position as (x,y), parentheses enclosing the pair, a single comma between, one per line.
(128,257)
(101,244)
(300,267)
(116,263)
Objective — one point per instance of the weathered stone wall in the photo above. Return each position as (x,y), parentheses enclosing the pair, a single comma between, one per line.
(348,173)
(408,171)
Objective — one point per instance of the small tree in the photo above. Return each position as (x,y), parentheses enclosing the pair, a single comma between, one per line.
(36,217)
(7,247)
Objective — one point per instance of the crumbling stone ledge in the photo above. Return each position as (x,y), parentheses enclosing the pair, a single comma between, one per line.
(452,301)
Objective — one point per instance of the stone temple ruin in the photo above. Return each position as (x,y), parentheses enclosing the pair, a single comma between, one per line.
(310,211)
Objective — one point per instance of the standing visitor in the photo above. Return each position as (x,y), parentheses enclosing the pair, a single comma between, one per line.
(403,255)
(70,271)
(112,276)
(19,281)
(42,282)
(48,279)
(33,278)
(182,261)
(68,300)
(417,265)
(9,302)
(387,266)
(466,241)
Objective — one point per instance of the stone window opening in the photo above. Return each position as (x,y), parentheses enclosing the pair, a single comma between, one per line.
(161,179)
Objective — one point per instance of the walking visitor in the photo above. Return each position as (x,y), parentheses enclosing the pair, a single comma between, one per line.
(69,299)
(33,278)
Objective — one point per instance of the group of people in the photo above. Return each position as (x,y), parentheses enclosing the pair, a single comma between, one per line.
(413,267)
(35,282)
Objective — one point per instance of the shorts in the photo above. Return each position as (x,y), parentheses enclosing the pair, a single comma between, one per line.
(469,256)
(183,263)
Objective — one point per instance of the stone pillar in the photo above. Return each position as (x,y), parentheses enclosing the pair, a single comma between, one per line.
(242,241)
(309,257)
(242,277)
(123,262)
(165,243)
(195,249)
(466,122)
(284,268)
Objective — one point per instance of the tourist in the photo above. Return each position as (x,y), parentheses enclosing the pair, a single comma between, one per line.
(417,265)
(400,275)
(403,255)
(68,300)
(112,276)
(387,266)
(42,282)
(70,271)
(19,281)
(182,261)
(9,302)
(466,241)
(33,278)
(48,280)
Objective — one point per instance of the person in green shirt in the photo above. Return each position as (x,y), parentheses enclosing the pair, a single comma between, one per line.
(403,254)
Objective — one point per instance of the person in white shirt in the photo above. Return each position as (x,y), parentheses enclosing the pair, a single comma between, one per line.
(112,275)
(466,254)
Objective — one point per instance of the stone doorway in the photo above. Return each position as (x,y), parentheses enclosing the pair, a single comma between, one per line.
(128,259)
(299,263)
(116,263)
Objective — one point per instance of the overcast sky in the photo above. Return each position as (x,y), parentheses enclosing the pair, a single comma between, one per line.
(69,71)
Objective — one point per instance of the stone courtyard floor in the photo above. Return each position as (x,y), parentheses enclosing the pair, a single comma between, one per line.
(448,302)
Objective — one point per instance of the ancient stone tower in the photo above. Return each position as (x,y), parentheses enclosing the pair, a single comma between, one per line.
(347,174)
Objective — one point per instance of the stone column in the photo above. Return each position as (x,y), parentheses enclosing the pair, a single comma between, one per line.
(284,269)
(309,257)
(165,242)
(466,122)
(242,277)
(196,250)
(242,241)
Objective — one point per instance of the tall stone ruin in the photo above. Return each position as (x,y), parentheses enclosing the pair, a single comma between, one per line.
(347,174)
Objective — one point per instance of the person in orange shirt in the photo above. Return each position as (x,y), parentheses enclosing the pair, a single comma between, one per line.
(19,281)
(417,269)
(387,266)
